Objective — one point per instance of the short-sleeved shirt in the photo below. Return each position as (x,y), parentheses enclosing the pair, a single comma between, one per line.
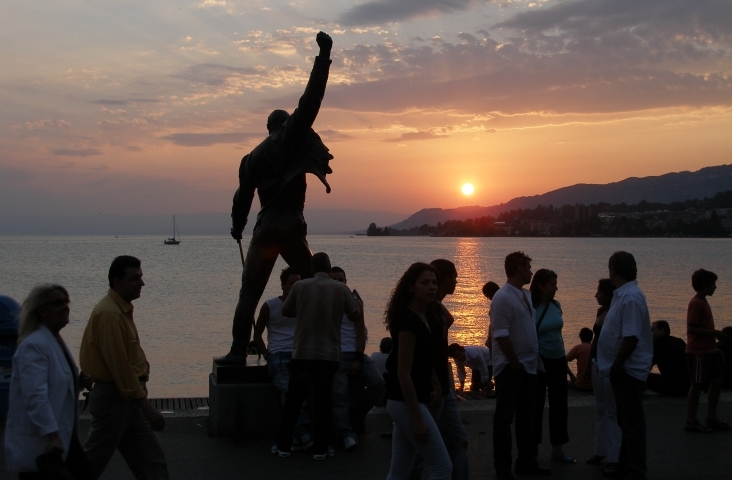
(512,316)
(581,353)
(549,334)
(422,363)
(320,303)
(699,314)
(627,317)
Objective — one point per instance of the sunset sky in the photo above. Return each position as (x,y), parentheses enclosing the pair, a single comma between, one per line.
(147,107)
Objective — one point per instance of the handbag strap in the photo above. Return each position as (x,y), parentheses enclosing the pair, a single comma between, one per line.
(541,318)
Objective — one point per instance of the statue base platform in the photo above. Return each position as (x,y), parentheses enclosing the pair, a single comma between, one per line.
(242,400)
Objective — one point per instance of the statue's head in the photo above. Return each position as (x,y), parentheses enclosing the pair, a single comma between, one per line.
(276,119)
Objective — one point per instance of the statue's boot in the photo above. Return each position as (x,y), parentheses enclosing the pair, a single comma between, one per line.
(231,359)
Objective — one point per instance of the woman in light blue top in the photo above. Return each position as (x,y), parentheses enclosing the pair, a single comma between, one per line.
(549,323)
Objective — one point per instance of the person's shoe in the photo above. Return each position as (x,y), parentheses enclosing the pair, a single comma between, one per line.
(322,456)
(231,359)
(349,443)
(532,469)
(612,470)
(696,427)
(303,443)
(563,458)
(280,453)
(717,424)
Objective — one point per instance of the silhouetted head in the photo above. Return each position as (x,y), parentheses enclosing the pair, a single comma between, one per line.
(518,267)
(446,276)
(320,263)
(585,335)
(622,268)
(276,119)
(660,328)
(386,345)
(703,279)
(490,289)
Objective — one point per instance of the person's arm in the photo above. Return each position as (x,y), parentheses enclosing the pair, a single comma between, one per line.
(626,350)
(405,360)
(32,363)
(436,398)
(262,321)
(501,313)
(693,321)
(571,356)
(504,343)
(460,367)
(694,329)
(242,203)
(155,418)
(447,317)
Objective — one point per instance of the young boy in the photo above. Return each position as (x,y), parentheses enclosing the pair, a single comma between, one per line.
(581,353)
(702,357)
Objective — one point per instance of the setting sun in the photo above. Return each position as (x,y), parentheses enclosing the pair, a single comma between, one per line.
(468,189)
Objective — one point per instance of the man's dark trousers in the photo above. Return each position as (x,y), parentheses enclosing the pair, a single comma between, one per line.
(302,373)
(628,392)
(276,233)
(515,397)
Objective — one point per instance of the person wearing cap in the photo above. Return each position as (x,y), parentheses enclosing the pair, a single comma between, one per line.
(276,169)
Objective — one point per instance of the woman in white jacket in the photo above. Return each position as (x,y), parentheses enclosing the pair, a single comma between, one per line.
(44,390)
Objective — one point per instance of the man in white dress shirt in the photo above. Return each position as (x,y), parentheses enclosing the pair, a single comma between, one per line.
(516,360)
(625,354)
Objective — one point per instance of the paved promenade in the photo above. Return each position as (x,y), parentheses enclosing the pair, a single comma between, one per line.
(672,453)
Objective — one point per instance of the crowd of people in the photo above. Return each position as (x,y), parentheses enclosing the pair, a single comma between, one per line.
(316,334)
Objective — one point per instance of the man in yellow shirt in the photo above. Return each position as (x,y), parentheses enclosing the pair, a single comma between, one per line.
(122,416)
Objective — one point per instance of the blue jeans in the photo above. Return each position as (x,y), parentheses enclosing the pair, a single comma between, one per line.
(453,435)
(361,401)
(278,366)
(404,447)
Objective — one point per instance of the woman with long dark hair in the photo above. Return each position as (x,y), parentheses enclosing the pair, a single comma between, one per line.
(553,379)
(607,431)
(414,388)
(41,436)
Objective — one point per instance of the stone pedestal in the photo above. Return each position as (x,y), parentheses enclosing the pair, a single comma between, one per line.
(243,400)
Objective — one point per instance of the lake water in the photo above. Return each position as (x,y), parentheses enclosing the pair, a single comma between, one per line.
(184,314)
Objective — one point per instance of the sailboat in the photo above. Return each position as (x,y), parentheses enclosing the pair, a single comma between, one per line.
(176,236)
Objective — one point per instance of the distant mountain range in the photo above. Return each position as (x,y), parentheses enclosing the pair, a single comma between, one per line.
(671,187)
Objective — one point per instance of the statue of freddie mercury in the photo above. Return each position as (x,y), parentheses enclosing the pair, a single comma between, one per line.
(276,168)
